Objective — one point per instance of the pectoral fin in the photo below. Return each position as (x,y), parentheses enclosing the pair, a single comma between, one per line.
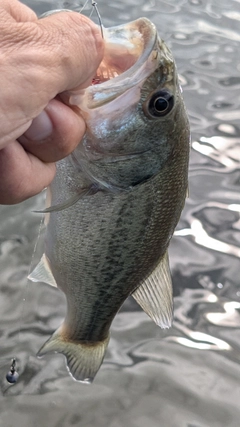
(155,294)
(43,273)
(90,191)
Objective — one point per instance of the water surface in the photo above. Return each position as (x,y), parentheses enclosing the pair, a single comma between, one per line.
(188,376)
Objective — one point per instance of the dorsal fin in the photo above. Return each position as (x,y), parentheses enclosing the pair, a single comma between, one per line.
(155,294)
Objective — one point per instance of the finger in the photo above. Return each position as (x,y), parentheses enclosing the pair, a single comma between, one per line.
(22,175)
(19,11)
(81,51)
(55,133)
(52,55)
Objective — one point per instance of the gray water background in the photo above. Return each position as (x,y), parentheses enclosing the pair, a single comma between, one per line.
(188,376)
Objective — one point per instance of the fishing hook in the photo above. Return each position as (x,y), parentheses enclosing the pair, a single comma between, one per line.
(94,5)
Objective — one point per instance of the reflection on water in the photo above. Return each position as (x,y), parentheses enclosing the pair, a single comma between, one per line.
(225,151)
(187,376)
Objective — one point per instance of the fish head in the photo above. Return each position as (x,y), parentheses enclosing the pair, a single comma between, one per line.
(133,109)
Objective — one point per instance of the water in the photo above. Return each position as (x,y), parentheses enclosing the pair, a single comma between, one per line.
(188,376)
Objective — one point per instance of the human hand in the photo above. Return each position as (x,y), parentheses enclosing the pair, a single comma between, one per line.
(39,60)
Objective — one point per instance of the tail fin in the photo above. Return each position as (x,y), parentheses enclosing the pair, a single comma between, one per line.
(83,359)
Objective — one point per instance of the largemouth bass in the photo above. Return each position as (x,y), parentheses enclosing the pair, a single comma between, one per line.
(116,200)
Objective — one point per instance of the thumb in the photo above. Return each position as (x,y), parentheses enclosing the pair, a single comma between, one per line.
(40,59)
(75,48)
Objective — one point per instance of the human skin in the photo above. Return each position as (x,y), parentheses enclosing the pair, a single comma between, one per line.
(40,59)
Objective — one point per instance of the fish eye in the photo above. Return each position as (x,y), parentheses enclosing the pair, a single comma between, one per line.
(160,103)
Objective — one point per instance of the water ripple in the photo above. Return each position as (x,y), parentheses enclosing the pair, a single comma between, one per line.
(188,375)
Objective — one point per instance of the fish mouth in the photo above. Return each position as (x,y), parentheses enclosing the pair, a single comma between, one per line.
(126,46)
(131,55)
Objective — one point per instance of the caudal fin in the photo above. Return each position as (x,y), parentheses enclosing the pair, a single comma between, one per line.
(83,359)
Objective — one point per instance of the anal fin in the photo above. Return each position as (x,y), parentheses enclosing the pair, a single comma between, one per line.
(155,294)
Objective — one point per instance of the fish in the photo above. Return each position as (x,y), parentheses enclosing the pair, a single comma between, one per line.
(116,200)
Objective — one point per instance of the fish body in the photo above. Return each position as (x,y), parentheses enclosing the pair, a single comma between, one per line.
(116,200)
